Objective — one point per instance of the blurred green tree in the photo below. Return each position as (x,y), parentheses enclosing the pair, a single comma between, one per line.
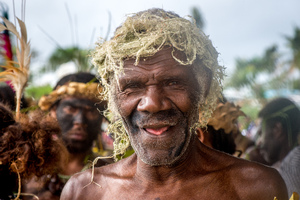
(64,55)
(249,72)
(196,14)
(271,71)
(294,45)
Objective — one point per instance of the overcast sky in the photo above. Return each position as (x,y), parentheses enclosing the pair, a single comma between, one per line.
(238,28)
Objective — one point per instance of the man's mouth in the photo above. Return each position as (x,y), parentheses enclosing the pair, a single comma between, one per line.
(78,135)
(157,131)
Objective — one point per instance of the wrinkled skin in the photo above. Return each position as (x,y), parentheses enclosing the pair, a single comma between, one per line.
(156,100)
(157,97)
(80,123)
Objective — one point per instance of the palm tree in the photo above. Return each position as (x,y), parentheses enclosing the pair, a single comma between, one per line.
(64,55)
(247,72)
(196,14)
(294,45)
(61,55)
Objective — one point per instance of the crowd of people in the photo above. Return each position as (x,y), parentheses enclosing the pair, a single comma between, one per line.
(159,89)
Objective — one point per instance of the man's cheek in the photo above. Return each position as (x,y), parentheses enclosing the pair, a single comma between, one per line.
(65,122)
(183,102)
(94,125)
(126,106)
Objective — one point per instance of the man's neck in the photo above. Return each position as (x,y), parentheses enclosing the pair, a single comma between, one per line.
(164,173)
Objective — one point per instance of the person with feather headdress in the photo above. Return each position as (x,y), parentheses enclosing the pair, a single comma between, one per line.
(7,91)
(29,144)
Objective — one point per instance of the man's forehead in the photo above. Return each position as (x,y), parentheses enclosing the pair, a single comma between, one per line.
(163,56)
(162,62)
(156,71)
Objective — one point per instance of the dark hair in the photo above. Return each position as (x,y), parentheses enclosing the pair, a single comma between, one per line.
(80,77)
(284,111)
(28,147)
(6,117)
(7,96)
(222,141)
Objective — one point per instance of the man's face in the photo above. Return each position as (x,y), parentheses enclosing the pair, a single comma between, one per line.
(157,102)
(80,122)
(267,142)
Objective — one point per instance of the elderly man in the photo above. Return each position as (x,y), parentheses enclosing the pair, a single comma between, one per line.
(157,71)
(75,104)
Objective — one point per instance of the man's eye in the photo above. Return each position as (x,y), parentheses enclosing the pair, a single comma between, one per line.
(92,113)
(131,87)
(175,84)
(172,83)
(69,109)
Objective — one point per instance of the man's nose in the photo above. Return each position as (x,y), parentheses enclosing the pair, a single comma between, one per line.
(79,117)
(154,100)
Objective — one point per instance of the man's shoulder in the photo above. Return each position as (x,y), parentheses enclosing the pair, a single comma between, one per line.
(249,179)
(117,169)
(248,169)
(84,184)
(221,161)
(257,179)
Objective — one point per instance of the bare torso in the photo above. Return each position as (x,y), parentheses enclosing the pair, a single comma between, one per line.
(210,175)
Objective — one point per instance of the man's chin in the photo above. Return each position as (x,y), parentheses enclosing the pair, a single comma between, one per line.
(158,157)
(75,146)
(77,150)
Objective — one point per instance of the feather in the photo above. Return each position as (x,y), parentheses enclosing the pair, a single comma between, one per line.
(23,30)
(17,72)
(10,27)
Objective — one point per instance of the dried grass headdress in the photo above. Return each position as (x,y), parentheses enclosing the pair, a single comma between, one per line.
(142,35)
(87,90)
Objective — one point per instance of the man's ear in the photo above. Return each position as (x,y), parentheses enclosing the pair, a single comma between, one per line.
(203,136)
(200,134)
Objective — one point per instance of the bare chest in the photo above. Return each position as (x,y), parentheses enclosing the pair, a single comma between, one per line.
(181,190)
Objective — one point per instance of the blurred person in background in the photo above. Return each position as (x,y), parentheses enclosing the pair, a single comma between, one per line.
(76,105)
(27,149)
(222,128)
(278,144)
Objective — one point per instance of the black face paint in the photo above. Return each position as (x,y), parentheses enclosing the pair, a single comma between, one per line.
(80,123)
